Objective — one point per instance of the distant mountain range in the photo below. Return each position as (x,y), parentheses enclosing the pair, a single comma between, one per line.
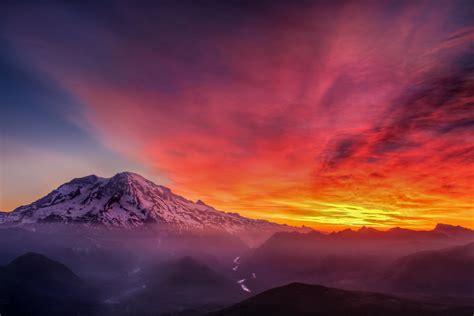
(393,260)
(439,232)
(33,284)
(129,200)
(140,249)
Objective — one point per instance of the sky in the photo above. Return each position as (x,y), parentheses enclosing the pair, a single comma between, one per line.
(328,114)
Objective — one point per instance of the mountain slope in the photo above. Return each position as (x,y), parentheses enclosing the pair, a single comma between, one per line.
(346,259)
(369,238)
(38,268)
(303,299)
(447,271)
(454,231)
(129,200)
(32,284)
(179,285)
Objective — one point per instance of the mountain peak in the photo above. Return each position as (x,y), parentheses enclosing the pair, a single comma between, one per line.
(36,266)
(200,202)
(344,233)
(365,229)
(451,230)
(126,178)
(128,175)
(31,257)
(129,200)
(84,180)
(441,226)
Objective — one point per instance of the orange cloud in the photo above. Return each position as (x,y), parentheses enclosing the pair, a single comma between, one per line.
(324,116)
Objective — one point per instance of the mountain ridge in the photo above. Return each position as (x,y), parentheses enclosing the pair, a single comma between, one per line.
(439,232)
(123,200)
(311,299)
(128,200)
(33,284)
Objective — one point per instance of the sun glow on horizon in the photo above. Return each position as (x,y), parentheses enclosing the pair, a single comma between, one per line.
(329,116)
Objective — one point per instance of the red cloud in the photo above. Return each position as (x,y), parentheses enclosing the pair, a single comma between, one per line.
(295,115)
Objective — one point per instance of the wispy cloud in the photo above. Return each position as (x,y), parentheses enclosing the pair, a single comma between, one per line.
(340,114)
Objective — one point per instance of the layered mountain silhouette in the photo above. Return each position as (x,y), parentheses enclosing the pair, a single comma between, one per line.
(33,284)
(440,232)
(178,285)
(299,299)
(454,231)
(128,200)
(360,259)
(365,237)
(193,262)
(448,271)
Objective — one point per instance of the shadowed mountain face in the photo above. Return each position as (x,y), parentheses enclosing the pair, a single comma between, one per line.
(358,259)
(123,235)
(35,285)
(177,286)
(37,268)
(369,238)
(32,284)
(102,253)
(455,231)
(128,200)
(447,271)
(301,299)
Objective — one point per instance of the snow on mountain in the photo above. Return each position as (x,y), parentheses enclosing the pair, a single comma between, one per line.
(129,200)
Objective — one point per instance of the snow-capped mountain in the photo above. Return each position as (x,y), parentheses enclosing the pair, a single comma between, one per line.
(129,200)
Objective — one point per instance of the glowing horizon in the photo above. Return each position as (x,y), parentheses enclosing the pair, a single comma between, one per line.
(328,116)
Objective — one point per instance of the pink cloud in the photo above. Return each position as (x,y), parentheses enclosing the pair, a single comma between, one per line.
(307,104)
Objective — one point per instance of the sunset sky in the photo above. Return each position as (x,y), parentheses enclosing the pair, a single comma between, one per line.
(328,114)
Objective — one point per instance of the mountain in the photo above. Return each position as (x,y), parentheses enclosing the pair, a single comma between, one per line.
(454,231)
(188,272)
(129,200)
(447,271)
(350,259)
(33,284)
(395,241)
(184,284)
(396,233)
(281,247)
(299,299)
(440,232)
(38,268)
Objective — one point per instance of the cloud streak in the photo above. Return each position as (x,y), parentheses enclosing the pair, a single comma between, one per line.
(326,114)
